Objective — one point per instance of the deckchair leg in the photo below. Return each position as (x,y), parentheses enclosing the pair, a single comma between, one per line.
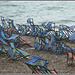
(72,57)
(67,58)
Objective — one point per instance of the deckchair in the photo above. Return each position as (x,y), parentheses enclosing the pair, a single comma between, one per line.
(42,43)
(72,27)
(58,46)
(34,30)
(26,30)
(4,24)
(63,27)
(24,41)
(72,37)
(70,58)
(13,37)
(37,44)
(30,20)
(67,32)
(44,23)
(45,43)
(38,65)
(49,25)
(63,31)
(67,48)
(13,52)
(19,27)
(46,28)
(3,41)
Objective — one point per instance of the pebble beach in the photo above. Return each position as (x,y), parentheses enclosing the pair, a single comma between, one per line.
(57,62)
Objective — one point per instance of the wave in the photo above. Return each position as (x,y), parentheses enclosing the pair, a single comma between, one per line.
(10,5)
(54,8)
(65,21)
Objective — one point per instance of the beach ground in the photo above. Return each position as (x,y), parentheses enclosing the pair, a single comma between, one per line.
(57,62)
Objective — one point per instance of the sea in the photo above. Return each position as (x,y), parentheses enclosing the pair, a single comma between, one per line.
(59,12)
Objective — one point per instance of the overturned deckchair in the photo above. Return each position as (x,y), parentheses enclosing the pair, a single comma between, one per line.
(38,65)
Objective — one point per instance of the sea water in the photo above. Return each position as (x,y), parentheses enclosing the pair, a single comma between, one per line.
(59,12)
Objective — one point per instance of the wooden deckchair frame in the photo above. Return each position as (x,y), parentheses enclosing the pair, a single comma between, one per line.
(36,72)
